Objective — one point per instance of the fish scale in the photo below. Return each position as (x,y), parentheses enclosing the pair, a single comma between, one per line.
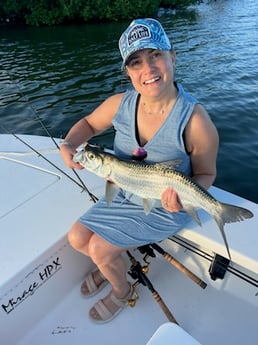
(151,181)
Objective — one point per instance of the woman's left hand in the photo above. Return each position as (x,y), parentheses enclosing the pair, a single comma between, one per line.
(170,200)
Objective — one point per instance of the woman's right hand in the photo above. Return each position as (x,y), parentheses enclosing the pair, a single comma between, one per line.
(67,153)
(170,200)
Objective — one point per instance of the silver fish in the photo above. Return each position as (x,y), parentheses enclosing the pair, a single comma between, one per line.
(149,181)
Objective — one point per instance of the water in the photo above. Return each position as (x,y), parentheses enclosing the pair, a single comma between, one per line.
(60,74)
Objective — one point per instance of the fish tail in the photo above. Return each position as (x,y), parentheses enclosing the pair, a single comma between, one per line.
(230,214)
(220,224)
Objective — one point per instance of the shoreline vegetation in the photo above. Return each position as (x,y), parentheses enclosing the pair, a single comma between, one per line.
(57,12)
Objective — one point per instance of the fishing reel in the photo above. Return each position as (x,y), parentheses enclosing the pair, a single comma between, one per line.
(137,271)
(148,251)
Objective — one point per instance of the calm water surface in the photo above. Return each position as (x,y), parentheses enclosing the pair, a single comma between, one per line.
(59,74)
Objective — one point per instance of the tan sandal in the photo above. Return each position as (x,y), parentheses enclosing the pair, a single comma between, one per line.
(91,285)
(105,314)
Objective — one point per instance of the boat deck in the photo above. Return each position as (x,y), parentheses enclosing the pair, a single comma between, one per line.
(40,274)
(205,314)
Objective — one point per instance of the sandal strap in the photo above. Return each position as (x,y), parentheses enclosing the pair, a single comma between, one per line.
(121,302)
(102,310)
(90,282)
(105,314)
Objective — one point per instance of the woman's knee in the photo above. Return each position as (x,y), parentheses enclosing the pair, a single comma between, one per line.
(101,251)
(79,236)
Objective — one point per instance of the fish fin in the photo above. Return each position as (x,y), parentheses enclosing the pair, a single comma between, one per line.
(111,191)
(147,205)
(192,213)
(230,214)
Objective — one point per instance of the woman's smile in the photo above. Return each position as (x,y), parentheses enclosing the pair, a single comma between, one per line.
(151,81)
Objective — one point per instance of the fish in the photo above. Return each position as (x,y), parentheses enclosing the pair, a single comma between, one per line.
(149,181)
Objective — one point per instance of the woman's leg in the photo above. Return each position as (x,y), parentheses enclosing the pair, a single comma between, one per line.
(110,262)
(107,258)
(105,255)
(79,237)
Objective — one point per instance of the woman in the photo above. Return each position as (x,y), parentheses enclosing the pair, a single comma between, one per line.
(157,115)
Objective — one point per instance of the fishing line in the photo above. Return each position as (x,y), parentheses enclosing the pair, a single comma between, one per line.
(36,116)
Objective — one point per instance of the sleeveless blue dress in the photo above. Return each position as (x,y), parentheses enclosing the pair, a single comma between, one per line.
(124,223)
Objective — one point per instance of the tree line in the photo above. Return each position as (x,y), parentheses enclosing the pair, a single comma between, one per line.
(54,12)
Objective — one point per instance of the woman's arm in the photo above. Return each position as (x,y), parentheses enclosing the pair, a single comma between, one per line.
(201,142)
(96,122)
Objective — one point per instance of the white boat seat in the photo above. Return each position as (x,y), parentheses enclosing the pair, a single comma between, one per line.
(170,333)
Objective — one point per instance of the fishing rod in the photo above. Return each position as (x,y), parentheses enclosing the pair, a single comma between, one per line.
(173,261)
(92,196)
(138,272)
(81,184)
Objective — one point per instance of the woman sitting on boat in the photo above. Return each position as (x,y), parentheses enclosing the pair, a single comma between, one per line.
(156,117)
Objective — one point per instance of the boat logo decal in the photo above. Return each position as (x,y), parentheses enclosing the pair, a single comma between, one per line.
(39,276)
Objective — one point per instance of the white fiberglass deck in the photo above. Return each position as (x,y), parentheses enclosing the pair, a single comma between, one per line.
(38,204)
(224,313)
(40,274)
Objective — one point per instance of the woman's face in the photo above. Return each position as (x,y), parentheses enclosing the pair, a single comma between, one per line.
(151,71)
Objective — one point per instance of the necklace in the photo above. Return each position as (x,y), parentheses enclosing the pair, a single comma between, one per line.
(153,113)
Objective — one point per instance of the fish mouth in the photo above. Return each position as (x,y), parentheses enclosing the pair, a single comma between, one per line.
(151,81)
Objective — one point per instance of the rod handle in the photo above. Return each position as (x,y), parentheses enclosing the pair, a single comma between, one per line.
(163,306)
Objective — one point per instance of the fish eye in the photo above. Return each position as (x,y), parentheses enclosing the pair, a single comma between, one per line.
(91,155)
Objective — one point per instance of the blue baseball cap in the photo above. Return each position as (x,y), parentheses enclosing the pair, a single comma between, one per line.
(142,34)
